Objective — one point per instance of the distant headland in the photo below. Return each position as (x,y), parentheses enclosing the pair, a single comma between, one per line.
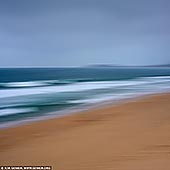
(112,65)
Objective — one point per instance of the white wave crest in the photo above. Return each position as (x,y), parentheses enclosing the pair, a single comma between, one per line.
(82,86)
(12,111)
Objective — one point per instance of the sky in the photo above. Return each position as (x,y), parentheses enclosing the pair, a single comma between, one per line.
(54,33)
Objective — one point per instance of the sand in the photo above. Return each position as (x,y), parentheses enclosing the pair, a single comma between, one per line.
(130,136)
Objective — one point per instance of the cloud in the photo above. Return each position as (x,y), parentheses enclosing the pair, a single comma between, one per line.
(81,32)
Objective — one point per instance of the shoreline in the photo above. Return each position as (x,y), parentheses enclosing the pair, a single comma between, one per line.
(77,110)
(126,136)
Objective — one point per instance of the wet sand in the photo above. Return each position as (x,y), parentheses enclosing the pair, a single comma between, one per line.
(130,136)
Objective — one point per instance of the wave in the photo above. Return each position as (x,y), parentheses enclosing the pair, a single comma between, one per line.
(14,111)
(34,83)
(41,83)
(39,99)
(31,107)
(102,98)
(80,86)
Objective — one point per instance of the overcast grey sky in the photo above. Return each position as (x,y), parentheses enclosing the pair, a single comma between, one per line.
(81,32)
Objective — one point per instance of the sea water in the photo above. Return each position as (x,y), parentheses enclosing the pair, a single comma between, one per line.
(28,94)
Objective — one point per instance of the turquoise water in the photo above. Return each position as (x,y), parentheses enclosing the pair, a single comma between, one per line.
(30,93)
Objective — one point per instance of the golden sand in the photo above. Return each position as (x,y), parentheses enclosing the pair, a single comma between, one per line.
(130,136)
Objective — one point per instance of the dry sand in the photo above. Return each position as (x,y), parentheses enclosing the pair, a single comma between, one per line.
(130,136)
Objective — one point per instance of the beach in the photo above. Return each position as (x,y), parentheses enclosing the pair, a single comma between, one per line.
(133,135)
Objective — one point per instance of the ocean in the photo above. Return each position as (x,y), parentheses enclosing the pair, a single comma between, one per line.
(29,94)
